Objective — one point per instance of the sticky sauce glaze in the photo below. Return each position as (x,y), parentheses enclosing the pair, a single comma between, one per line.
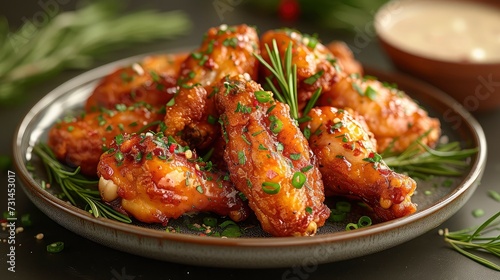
(452,31)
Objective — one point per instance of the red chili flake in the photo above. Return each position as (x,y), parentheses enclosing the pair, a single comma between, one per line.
(349,146)
(172,147)
(356,152)
(371,155)
(271,174)
(384,171)
(210,64)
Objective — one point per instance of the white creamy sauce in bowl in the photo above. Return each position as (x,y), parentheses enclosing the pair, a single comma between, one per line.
(455,31)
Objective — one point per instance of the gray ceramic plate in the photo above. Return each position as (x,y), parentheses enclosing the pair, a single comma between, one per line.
(256,249)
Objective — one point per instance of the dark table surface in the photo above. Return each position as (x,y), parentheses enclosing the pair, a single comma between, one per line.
(425,257)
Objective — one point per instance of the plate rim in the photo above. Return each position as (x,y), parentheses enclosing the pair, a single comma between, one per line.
(267,242)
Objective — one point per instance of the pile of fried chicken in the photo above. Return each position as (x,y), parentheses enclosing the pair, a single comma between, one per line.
(193,132)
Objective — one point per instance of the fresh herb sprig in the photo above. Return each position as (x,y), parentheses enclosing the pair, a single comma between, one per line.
(421,161)
(285,74)
(474,239)
(74,185)
(74,39)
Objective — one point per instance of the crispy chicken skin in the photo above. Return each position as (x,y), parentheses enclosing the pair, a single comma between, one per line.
(394,118)
(351,167)
(264,152)
(187,120)
(80,141)
(225,50)
(156,180)
(316,65)
(153,81)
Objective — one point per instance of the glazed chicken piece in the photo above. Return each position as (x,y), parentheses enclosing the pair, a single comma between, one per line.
(80,141)
(317,67)
(395,119)
(155,180)
(192,120)
(153,81)
(351,167)
(269,160)
(225,50)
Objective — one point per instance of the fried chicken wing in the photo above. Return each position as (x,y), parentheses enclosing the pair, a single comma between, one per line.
(316,65)
(225,50)
(153,81)
(80,141)
(351,167)
(269,160)
(394,118)
(187,120)
(157,180)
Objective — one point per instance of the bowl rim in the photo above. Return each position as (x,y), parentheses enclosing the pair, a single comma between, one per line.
(381,35)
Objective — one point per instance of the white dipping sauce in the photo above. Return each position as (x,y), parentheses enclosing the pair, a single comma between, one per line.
(452,31)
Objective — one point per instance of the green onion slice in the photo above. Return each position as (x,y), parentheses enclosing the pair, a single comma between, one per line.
(26,220)
(364,221)
(337,215)
(351,226)
(55,247)
(232,231)
(276,126)
(298,180)
(263,96)
(271,187)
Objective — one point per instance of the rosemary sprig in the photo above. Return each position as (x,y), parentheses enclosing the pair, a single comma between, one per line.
(421,161)
(473,238)
(74,185)
(285,73)
(74,40)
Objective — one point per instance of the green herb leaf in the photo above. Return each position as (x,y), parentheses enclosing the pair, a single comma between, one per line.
(477,238)
(55,247)
(421,161)
(74,39)
(285,74)
(495,195)
(74,185)
(311,80)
